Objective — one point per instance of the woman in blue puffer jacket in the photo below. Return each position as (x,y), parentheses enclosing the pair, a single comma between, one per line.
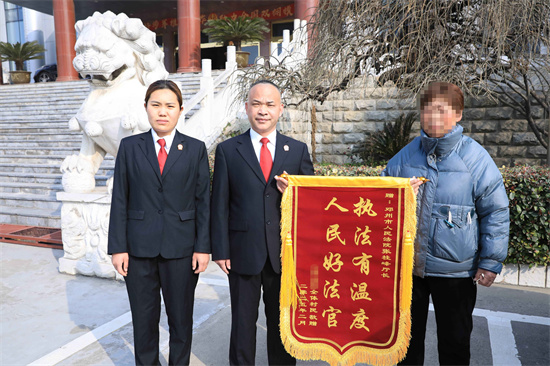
(463,223)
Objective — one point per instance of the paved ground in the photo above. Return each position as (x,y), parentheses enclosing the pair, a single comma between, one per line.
(48,318)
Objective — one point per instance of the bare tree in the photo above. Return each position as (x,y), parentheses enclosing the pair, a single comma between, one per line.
(498,48)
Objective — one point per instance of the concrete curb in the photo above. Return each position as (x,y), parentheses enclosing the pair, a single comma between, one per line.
(523,275)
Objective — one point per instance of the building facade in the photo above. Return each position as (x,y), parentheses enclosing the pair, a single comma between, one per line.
(19,24)
(177,23)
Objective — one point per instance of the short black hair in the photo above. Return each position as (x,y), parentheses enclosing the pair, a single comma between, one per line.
(164,84)
(264,81)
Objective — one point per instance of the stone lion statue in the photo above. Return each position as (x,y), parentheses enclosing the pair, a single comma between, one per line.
(121,58)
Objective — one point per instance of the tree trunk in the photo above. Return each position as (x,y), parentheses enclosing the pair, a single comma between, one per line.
(313,130)
(548,147)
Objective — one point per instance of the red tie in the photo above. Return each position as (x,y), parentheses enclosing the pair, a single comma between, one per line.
(162,154)
(266,162)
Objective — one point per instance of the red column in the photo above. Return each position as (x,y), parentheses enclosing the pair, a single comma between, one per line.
(65,38)
(169,46)
(189,36)
(304,9)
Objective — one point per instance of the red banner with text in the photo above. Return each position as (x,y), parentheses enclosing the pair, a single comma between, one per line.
(347,268)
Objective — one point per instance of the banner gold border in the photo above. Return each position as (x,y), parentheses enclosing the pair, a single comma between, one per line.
(359,353)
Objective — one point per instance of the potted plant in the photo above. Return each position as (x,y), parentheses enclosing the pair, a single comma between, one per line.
(237,30)
(19,53)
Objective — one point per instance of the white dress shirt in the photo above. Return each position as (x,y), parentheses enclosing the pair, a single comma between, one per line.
(169,139)
(256,137)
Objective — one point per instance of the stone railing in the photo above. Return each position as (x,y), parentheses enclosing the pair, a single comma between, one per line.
(215,110)
(292,53)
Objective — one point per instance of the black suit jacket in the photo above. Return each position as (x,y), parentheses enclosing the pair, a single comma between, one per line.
(164,215)
(245,210)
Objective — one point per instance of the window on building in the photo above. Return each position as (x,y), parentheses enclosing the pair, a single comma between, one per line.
(277,29)
(14,23)
(15,29)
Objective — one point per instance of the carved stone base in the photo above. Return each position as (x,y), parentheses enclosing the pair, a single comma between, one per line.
(84,228)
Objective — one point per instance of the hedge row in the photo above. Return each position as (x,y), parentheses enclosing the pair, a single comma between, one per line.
(528,189)
(529,193)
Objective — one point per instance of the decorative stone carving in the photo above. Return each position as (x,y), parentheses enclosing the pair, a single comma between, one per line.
(121,58)
(85,226)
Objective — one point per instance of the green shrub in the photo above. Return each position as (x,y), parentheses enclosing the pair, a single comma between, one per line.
(19,53)
(381,146)
(238,30)
(529,193)
(347,170)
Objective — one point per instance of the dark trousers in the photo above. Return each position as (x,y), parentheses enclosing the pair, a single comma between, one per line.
(454,300)
(245,298)
(175,278)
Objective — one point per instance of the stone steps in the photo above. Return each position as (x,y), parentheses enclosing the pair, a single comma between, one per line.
(46,168)
(28,124)
(35,139)
(31,216)
(28,200)
(34,159)
(54,135)
(43,178)
(42,136)
(74,101)
(34,188)
(29,144)
(59,152)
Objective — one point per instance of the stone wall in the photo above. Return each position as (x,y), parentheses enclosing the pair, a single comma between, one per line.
(346,117)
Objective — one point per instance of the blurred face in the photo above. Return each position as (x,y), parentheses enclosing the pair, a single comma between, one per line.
(264,108)
(163,111)
(438,118)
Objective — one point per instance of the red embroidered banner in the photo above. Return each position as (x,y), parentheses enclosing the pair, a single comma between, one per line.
(351,267)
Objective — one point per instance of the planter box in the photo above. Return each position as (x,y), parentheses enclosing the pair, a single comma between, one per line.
(534,276)
(242,58)
(509,274)
(20,77)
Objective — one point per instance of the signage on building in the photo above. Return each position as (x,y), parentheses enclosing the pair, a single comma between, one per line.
(268,14)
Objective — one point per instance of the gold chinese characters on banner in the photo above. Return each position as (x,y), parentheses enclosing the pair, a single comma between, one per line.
(347,268)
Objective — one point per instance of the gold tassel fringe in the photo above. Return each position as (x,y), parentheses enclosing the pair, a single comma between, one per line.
(289,283)
(288,279)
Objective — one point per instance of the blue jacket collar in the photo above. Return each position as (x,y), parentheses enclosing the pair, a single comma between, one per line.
(443,145)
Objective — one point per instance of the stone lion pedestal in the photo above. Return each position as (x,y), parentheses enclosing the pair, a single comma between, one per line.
(85,225)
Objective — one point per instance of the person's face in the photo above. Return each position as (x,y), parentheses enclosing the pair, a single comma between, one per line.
(264,108)
(163,111)
(438,118)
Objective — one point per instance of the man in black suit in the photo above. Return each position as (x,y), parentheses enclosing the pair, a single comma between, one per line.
(159,225)
(245,217)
